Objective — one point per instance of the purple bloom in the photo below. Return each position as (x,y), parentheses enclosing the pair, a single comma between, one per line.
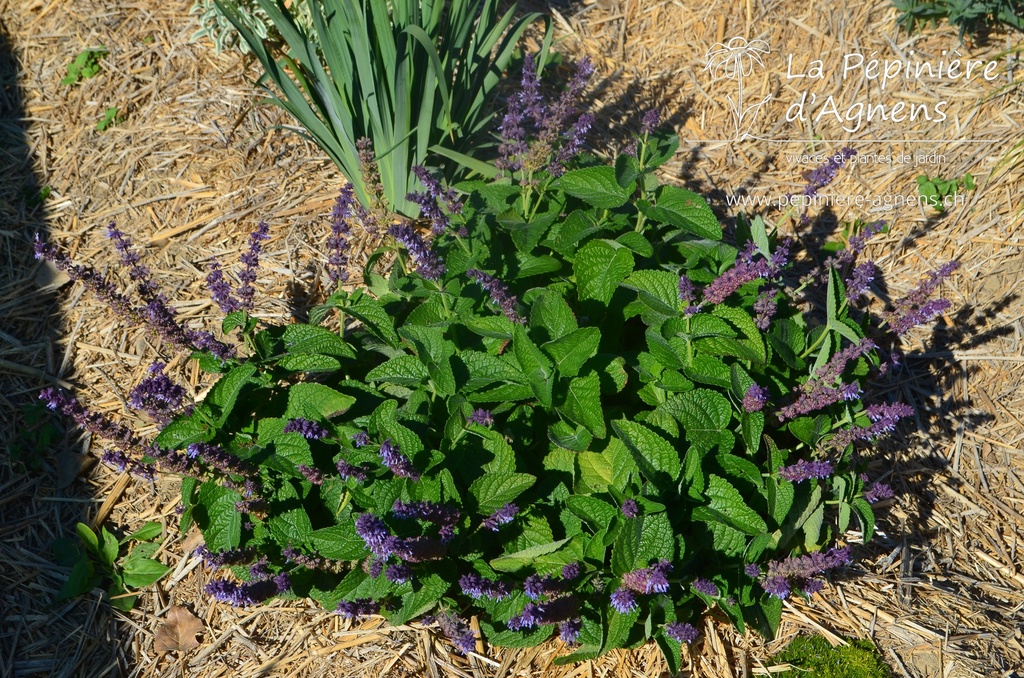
(916,308)
(798,571)
(220,460)
(624,600)
(337,243)
(139,273)
(857,284)
(292,555)
(361,607)
(705,586)
(630,508)
(745,270)
(687,293)
(876,491)
(649,123)
(536,586)
(398,574)
(824,174)
(805,470)
(251,593)
(482,417)
(431,200)
(457,631)
(251,261)
(427,262)
(571,571)
(376,535)
(420,549)
(399,464)
(682,632)
(884,418)
(569,630)
(765,307)
(648,580)
(752,570)
(502,516)
(508,303)
(438,514)
(361,439)
(475,586)
(225,558)
(310,430)
(157,395)
(220,289)
(755,398)
(312,474)
(347,470)
(553,611)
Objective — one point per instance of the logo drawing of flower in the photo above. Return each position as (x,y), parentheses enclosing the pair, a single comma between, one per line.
(735,60)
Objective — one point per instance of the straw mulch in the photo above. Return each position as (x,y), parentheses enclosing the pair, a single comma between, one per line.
(195,165)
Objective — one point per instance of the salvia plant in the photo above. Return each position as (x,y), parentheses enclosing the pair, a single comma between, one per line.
(411,76)
(573,408)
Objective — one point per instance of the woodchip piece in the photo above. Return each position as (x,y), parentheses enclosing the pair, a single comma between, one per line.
(198,162)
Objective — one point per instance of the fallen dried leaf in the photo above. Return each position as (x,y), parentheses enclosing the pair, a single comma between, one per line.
(178,632)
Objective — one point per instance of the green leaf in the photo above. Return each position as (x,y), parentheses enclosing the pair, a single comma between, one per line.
(303,338)
(141,572)
(610,468)
(653,454)
(686,210)
(704,416)
(571,351)
(385,420)
(526,557)
(406,370)
(627,169)
(183,431)
(551,312)
(150,530)
(728,501)
(88,537)
(780,495)
(619,626)
(339,542)
(597,513)
(526,235)
(597,186)
(309,363)
(82,579)
(494,490)
(599,268)
(435,352)
(429,590)
(371,313)
(567,437)
(219,521)
(224,394)
(109,548)
(583,404)
(867,517)
(752,426)
(313,401)
(738,467)
(291,527)
(535,365)
(658,289)
(484,369)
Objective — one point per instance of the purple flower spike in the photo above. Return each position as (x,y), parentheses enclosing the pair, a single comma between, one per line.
(431,200)
(337,243)
(220,289)
(376,535)
(396,461)
(157,395)
(755,398)
(799,571)
(361,607)
(361,439)
(502,516)
(649,123)
(682,632)
(508,303)
(916,308)
(347,470)
(705,586)
(571,571)
(309,430)
(569,630)
(475,586)
(251,261)
(826,173)
(457,631)
(630,508)
(806,470)
(648,580)
(482,417)
(624,600)
(427,262)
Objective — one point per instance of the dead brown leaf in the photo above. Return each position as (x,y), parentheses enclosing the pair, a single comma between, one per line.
(178,632)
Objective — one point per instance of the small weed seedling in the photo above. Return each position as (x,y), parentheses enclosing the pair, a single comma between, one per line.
(98,563)
(111,116)
(938,192)
(85,65)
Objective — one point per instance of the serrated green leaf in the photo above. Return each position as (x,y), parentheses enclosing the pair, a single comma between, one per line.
(371,313)
(627,169)
(728,501)
(339,542)
(576,439)
(224,394)
(218,520)
(704,415)
(291,527)
(653,454)
(406,370)
(385,420)
(494,490)
(738,467)
(309,362)
(315,402)
(526,557)
(597,186)
(88,538)
(552,312)
(429,590)
(610,468)
(571,351)
(867,517)
(658,289)
(536,367)
(303,338)
(599,268)
(583,404)
(597,513)
(686,210)
(780,495)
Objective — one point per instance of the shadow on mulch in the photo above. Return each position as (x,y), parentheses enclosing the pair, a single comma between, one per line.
(38,500)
